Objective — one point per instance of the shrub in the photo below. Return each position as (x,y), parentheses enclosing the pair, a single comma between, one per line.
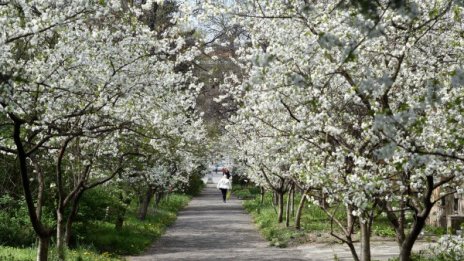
(449,247)
(245,191)
(195,185)
(15,226)
(100,203)
(438,231)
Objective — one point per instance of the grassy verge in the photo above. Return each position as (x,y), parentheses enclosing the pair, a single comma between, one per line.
(100,240)
(265,218)
(245,192)
(29,254)
(315,225)
(136,235)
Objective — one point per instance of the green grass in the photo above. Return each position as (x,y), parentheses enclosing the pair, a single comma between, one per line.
(100,240)
(29,254)
(245,192)
(265,217)
(136,235)
(313,220)
(266,220)
(436,231)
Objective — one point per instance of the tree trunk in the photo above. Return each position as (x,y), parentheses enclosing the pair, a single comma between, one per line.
(143,209)
(275,200)
(60,218)
(400,236)
(60,235)
(365,240)
(287,212)
(42,232)
(121,214)
(292,202)
(159,197)
(350,219)
(40,189)
(40,197)
(354,254)
(299,212)
(405,253)
(419,222)
(322,200)
(68,230)
(280,203)
(72,216)
(120,220)
(42,250)
(408,243)
(262,195)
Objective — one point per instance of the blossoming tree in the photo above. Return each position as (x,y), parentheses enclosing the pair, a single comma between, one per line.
(78,81)
(371,91)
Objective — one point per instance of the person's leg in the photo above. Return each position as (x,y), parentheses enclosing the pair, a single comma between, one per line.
(224,194)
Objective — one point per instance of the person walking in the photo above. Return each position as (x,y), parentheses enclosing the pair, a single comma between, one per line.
(224,184)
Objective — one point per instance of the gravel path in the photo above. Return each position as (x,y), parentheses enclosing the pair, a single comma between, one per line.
(208,229)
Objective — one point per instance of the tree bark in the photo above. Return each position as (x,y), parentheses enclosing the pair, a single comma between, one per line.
(275,198)
(408,243)
(43,233)
(322,200)
(143,209)
(159,197)
(350,219)
(61,205)
(280,203)
(419,222)
(120,220)
(299,212)
(72,216)
(292,202)
(354,254)
(60,235)
(365,240)
(262,195)
(287,212)
(42,250)
(400,235)
(40,189)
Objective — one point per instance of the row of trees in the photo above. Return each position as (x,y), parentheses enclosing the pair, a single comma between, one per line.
(93,92)
(357,103)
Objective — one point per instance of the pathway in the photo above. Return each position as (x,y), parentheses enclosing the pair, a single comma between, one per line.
(208,229)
